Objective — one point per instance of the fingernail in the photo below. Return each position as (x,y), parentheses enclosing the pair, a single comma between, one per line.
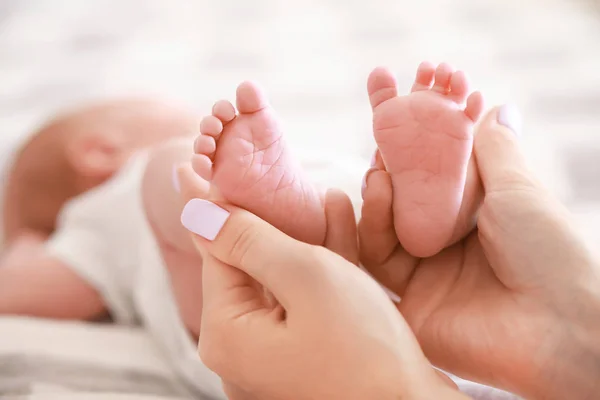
(203,218)
(374,159)
(175,179)
(510,117)
(363,187)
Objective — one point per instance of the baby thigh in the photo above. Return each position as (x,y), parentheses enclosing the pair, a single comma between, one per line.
(42,286)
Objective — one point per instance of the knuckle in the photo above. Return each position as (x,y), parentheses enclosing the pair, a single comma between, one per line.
(514,180)
(519,201)
(244,242)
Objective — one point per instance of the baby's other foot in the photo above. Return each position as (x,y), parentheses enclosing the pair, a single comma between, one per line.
(246,158)
(425,140)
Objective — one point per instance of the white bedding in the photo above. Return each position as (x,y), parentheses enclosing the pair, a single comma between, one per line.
(52,360)
(67,360)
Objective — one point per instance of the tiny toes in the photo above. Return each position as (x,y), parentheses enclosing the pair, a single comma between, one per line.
(250,98)
(224,111)
(202,165)
(424,79)
(205,145)
(475,106)
(192,185)
(443,74)
(381,86)
(211,126)
(459,87)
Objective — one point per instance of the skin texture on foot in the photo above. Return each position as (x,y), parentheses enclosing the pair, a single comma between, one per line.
(245,157)
(425,140)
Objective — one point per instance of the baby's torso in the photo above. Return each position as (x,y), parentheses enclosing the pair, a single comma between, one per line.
(132,275)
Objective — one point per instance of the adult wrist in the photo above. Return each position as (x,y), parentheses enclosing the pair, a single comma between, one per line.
(581,350)
(573,374)
(573,371)
(581,370)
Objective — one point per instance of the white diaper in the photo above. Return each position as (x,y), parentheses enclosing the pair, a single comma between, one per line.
(104,237)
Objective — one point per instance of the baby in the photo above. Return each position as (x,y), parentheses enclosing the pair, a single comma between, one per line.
(99,185)
(90,223)
(76,241)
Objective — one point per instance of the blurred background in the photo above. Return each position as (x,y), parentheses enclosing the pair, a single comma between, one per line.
(313,56)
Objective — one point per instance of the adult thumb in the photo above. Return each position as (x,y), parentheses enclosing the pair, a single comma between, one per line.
(237,238)
(500,161)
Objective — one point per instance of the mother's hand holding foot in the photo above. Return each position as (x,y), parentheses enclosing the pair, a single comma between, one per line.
(332,332)
(516,304)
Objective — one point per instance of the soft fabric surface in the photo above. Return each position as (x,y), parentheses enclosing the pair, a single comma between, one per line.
(53,360)
(61,360)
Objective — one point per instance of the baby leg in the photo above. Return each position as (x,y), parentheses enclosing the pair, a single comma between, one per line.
(163,205)
(35,284)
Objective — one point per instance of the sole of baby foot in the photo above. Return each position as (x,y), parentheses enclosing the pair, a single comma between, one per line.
(426,141)
(245,156)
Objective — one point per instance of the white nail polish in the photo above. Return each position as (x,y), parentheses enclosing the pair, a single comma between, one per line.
(204,218)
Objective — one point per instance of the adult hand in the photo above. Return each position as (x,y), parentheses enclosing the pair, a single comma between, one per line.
(326,331)
(516,304)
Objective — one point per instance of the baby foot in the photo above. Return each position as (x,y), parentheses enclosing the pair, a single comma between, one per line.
(425,140)
(246,158)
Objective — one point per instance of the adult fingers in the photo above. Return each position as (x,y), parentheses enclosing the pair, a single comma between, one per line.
(341,226)
(218,279)
(527,235)
(228,343)
(380,251)
(284,266)
(500,161)
(472,199)
(376,227)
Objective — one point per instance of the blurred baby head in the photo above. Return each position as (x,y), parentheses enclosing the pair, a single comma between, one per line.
(95,142)
(80,149)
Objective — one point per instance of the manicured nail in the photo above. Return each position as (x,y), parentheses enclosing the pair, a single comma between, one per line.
(363,187)
(203,218)
(374,159)
(509,116)
(175,179)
